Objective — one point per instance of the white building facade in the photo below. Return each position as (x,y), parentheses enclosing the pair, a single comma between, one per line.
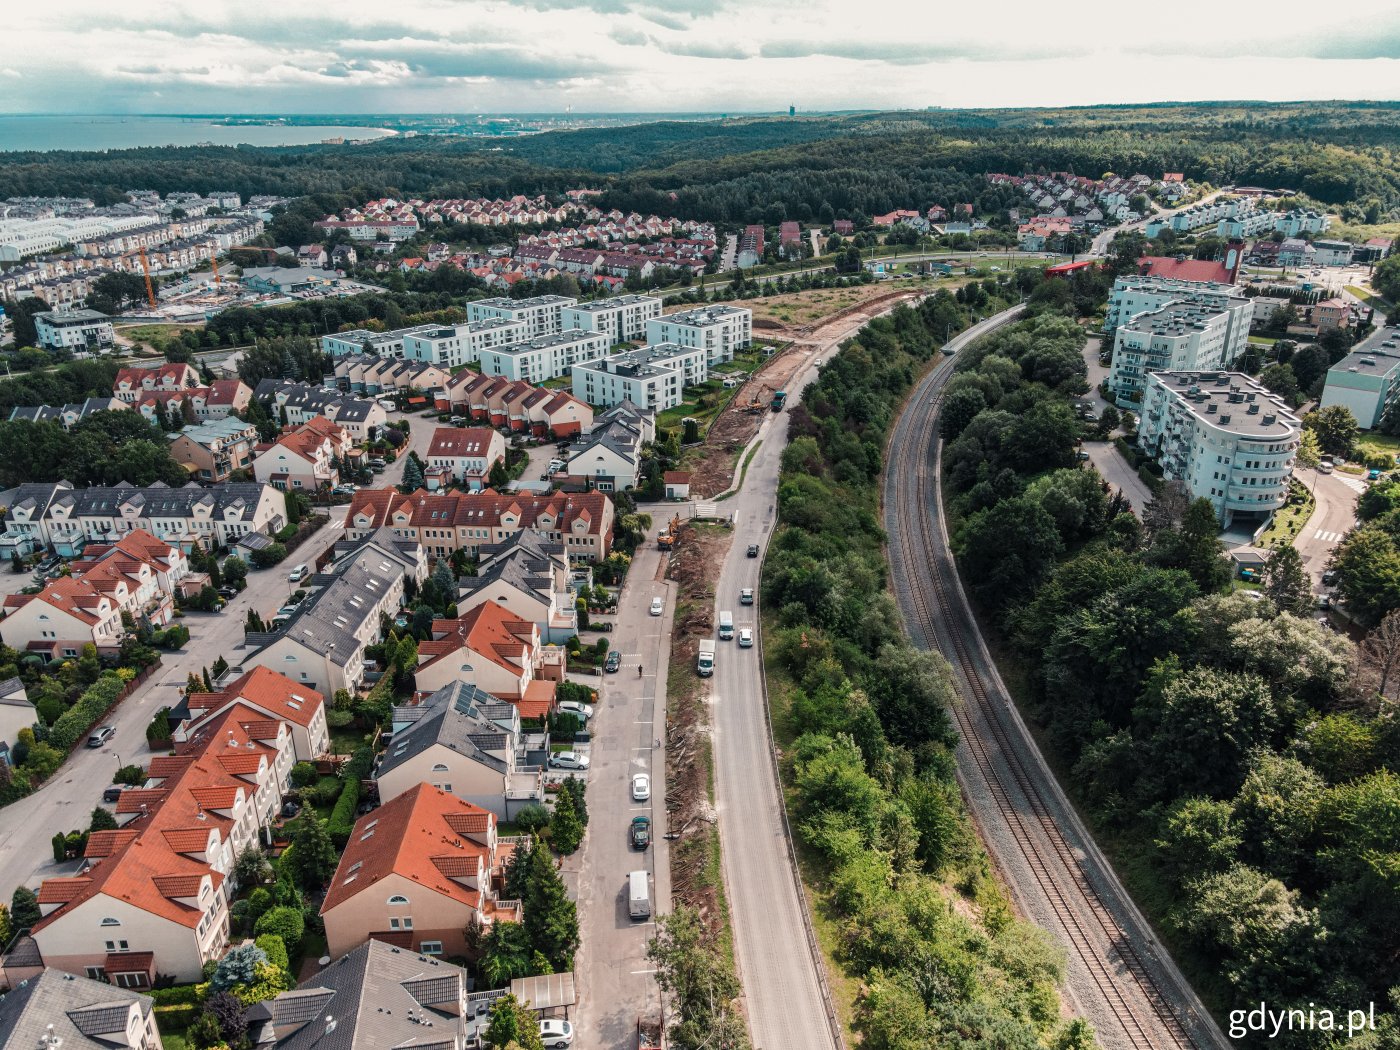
(1197,332)
(543,315)
(623,318)
(453,346)
(654,376)
(545,357)
(721,331)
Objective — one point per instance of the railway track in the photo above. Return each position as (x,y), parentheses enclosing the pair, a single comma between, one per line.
(1117,975)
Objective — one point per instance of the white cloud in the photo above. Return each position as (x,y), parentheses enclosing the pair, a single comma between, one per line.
(676,55)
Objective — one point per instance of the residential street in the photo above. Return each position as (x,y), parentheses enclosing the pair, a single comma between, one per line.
(615,981)
(1114,469)
(66,801)
(1333,518)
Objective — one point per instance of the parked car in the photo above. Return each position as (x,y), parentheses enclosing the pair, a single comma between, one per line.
(298,574)
(745,637)
(753,550)
(641,787)
(658,605)
(613,663)
(568,760)
(555,1033)
(1329,577)
(746,596)
(376,468)
(101,736)
(581,711)
(291,808)
(641,832)
(112,794)
(228,593)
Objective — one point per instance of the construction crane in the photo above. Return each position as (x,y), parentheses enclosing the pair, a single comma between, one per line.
(218,281)
(150,288)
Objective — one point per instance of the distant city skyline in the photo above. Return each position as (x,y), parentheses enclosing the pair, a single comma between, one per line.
(676,56)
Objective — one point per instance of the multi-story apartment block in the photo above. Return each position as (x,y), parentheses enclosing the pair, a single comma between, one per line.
(1367,380)
(581,521)
(64,616)
(305,458)
(1225,436)
(362,340)
(654,376)
(1135,295)
(543,315)
(545,357)
(273,694)
(85,330)
(66,519)
(721,331)
(623,318)
(1197,332)
(453,346)
(212,451)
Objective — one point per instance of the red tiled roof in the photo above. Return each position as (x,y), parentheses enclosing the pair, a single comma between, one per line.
(1185,269)
(104,843)
(462,441)
(538,700)
(62,890)
(484,508)
(490,630)
(129,962)
(676,477)
(270,694)
(412,832)
(188,840)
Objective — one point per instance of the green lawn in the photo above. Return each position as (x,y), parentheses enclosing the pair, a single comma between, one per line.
(1371,298)
(1290,520)
(703,403)
(1263,340)
(1373,444)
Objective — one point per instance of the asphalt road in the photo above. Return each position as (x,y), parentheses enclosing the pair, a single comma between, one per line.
(1333,518)
(67,800)
(1114,469)
(615,980)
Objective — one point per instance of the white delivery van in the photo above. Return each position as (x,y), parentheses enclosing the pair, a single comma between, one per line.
(638,895)
(726,626)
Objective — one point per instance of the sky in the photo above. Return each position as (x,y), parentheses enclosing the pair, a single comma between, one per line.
(523,56)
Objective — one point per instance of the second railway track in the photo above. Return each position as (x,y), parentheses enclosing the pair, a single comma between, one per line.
(1126,986)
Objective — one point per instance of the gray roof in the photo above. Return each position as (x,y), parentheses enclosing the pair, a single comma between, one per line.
(12,694)
(374,998)
(59,318)
(156,501)
(1377,354)
(313,398)
(532,542)
(81,1012)
(459,716)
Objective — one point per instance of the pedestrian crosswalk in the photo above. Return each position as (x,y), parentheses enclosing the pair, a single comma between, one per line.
(1327,537)
(1355,484)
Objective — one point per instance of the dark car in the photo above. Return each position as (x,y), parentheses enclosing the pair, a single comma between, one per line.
(583,738)
(1329,577)
(228,593)
(112,794)
(641,832)
(613,662)
(753,550)
(291,808)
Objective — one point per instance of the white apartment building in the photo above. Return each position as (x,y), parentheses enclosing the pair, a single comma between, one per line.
(384,344)
(1367,380)
(654,376)
(453,346)
(544,357)
(721,331)
(623,318)
(1225,436)
(1135,295)
(1196,332)
(543,315)
(74,330)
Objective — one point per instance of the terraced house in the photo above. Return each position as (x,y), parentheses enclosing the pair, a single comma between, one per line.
(304,458)
(214,450)
(582,521)
(465,455)
(152,896)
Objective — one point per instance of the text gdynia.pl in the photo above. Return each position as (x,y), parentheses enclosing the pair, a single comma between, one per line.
(1271,1023)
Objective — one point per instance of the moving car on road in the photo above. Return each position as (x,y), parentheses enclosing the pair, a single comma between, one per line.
(640,832)
(611,665)
(746,596)
(641,787)
(101,736)
(745,637)
(658,605)
(753,550)
(568,760)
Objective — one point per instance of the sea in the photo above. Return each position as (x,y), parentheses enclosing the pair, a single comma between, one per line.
(96,133)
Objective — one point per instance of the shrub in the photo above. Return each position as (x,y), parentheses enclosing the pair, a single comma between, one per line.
(575,691)
(88,708)
(304,774)
(269,556)
(259,902)
(180,995)
(240,965)
(323,792)
(283,922)
(338,719)
(176,1015)
(159,729)
(342,819)
(132,776)
(532,819)
(276,950)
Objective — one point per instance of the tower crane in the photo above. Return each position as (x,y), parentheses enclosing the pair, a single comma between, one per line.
(150,288)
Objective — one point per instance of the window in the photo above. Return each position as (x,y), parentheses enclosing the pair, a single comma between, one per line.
(131,980)
(94,972)
(111,922)
(398,898)
(401,924)
(439,768)
(431,947)
(117,946)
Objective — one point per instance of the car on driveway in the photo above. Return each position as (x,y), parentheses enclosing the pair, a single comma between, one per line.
(612,664)
(555,1034)
(641,832)
(658,605)
(112,794)
(101,736)
(753,550)
(568,760)
(641,787)
(580,711)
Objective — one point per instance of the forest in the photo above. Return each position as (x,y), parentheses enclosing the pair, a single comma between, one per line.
(743,169)
(1236,757)
(870,765)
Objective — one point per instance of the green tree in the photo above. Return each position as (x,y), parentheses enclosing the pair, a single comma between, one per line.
(1006,550)
(286,923)
(102,820)
(1335,428)
(313,854)
(551,918)
(693,969)
(24,908)
(238,966)
(7,929)
(498,479)
(1309,451)
(565,829)
(506,954)
(1368,573)
(412,475)
(513,1026)
(1194,547)
(1199,836)
(1286,583)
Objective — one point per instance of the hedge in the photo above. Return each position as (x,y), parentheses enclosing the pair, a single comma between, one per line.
(276,949)
(342,820)
(179,995)
(175,1018)
(86,711)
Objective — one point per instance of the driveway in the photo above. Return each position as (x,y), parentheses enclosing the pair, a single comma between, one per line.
(67,800)
(1114,469)
(615,980)
(1333,518)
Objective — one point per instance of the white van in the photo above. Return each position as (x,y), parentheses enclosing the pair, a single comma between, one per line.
(726,626)
(297,575)
(638,895)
